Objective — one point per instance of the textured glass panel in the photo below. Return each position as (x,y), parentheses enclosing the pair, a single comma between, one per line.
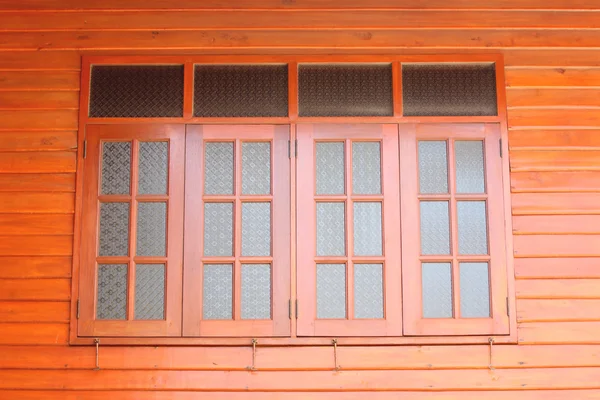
(116,167)
(218,168)
(136,91)
(149,291)
(437,290)
(469,166)
(151,229)
(331,290)
(218,229)
(472,227)
(256,229)
(474,290)
(366,168)
(330,168)
(217,292)
(331,229)
(256,168)
(367,229)
(435,228)
(112,291)
(153,168)
(449,89)
(241,90)
(256,291)
(330,90)
(114,229)
(368,291)
(433,167)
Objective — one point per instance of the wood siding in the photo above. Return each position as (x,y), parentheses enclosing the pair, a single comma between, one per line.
(552,55)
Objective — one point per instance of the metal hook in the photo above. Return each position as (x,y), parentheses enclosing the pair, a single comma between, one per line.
(491,364)
(334,342)
(254,343)
(97,342)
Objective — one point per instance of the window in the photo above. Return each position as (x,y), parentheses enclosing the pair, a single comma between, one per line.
(305,200)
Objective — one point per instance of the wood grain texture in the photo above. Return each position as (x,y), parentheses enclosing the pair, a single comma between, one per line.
(35,289)
(39,100)
(559,333)
(568,96)
(552,77)
(19,333)
(36,245)
(35,224)
(550,160)
(578,117)
(34,311)
(38,162)
(561,267)
(557,246)
(38,140)
(39,80)
(552,310)
(38,119)
(35,267)
(562,181)
(556,224)
(39,202)
(37,183)
(587,139)
(555,203)
(557,289)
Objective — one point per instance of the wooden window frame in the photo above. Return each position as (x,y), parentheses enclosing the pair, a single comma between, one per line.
(85,122)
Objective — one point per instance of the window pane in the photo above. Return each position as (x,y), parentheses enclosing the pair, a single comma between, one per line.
(136,91)
(331,230)
(256,168)
(150,291)
(256,229)
(116,167)
(241,90)
(256,291)
(331,290)
(472,227)
(469,166)
(217,292)
(329,90)
(218,229)
(153,168)
(112,291)
(218,175)
(367,229)
(330,168)
(152,229)
(437,290)
(474,290)
(449,89)
(368,291)
(433,167)
(114,229)
(435,228)
(366,168)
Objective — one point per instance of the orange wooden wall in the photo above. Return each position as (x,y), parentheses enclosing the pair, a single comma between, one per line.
(551,50)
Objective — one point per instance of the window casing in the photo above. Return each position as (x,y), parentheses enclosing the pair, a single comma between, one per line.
(293,199)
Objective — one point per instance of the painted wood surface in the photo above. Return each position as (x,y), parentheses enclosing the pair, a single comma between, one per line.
(550,49)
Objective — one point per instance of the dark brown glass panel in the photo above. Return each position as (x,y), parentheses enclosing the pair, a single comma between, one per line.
(449,89)
(136,91)
(337,90)
(241,91)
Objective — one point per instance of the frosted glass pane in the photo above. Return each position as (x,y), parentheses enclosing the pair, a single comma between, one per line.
(112,291)
(150,291)
(218,168)
(218,229)
(256,291)
(435,228)
(433,167)
(152,229)
(256,168)
(468,157)
(330,168)
(116,167)
(153,168)
(114,229)
(256,229)
(474,290)
(367,229)
(217,291)
(366,168)
(368,291)
(331,230)
(472,227)
(437,290)
(331,290)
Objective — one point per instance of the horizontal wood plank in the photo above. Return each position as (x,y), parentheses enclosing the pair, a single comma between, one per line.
(556,224)
(516,77)
(34,311)
(38,162)
(60,120)
(568,268)
(19,333)
(559,333)
(544,160)
(39,100)
(533,310)
(37,60)
(572,97)
(43,203)
(555,203)
(523,117)
(37,182)
(35,289)
(36,224)
(555,181)
(38,140)
(47,245)
(39,80)
(557,246)
(558,289)
(35,267)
